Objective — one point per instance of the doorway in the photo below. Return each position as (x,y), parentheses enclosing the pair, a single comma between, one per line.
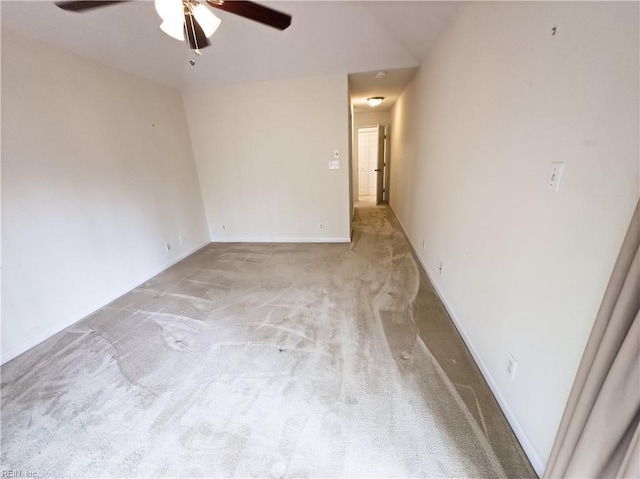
(372,151)
(367,163)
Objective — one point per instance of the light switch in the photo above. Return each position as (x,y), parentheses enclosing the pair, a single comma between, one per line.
(555,175)
(334,165)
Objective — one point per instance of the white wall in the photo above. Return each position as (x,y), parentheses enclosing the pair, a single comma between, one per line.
(373,118)
(473,136)
(263,151)
(97,175)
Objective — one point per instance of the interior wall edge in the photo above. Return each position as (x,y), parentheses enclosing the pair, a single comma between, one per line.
(253,188)
(533,456)
(199,173)
(99,187)
(106,299)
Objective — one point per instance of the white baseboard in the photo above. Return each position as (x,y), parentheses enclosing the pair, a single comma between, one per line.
(240,239)
(530,451)
(536,462)
(79,315)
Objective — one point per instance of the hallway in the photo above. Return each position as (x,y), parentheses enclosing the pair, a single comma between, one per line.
(263,360)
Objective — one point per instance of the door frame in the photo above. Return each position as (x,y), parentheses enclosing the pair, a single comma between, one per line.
(381,164)
(383,161)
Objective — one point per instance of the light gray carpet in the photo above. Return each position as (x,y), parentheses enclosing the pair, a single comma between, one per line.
(249,360)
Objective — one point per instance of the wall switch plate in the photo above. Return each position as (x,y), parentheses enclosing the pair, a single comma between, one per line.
(334,165)
(555,175)
(512,365)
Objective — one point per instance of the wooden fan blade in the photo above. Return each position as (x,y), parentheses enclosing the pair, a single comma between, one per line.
(254,11)
(195,35)
(83,6)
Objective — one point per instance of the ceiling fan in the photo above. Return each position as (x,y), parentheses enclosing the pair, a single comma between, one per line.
(191,19)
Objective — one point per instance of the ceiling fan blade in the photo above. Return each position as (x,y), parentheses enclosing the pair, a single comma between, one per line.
(84,5)
(254,11)
(195,35)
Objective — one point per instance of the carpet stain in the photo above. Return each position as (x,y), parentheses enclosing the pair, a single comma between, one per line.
(250,360)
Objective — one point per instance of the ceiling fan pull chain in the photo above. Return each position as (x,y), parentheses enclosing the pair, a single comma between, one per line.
(192,62)
(193,31)
(189,19)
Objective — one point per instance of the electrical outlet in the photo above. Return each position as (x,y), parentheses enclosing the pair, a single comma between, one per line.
(440,267)
(224,227)
(167,246)
(321,226)
(512,366)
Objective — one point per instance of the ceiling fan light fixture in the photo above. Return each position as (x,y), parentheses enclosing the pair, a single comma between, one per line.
(375,100)
(170,10)
(189,20)
(207,20)
(172,14)
(173,29)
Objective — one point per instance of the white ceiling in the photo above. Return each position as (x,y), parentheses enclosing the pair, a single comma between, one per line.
(388,84)
(326,37)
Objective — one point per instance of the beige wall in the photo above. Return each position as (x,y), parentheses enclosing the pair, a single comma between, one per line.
(373,118)
(97,175)
(263,153)
(524,268)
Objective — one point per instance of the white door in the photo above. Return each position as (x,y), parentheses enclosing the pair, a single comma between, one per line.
(367,161)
